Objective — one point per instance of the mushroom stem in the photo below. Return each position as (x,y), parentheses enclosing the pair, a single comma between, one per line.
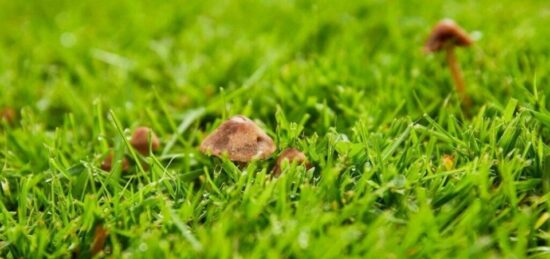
(457,76)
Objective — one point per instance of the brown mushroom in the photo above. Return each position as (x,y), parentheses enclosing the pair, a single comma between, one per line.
(240,139)
(7,114)
(291,155)
(100,237)
(446,35)
(107,163)
(140,140)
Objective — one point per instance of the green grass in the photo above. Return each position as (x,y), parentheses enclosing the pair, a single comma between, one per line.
(399,170)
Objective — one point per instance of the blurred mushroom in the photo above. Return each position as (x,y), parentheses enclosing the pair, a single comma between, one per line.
(240,139)
(7,114)
(99,239)
(291,155)
(140,140)
(448,161)
(107,163)
(446,35)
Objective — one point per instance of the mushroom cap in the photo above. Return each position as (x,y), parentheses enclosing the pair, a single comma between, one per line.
(107,163)
(292,155)
(140,140)
(8,114)
(240,139)
(447,32)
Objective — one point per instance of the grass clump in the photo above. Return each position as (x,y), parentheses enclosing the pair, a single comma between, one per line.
(395,169)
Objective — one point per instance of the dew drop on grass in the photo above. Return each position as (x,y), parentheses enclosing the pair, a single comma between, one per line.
(277,228)
(43,104)
(5,187)
(353,235)
(399,181)
(67,39)
(415,72)
(143,247)
(476,35)
(303,239)
(367,166)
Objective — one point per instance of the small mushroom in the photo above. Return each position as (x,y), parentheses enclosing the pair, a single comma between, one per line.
(446,35)
(140,140)
(291,155)
(7,114)
(100,237)
(107,163)
(448,161)
(240,139)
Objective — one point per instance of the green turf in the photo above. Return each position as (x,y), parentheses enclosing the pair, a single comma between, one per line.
(399,170)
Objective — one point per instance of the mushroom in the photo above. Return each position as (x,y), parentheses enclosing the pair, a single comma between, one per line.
(7,114)
(448,161)
(100,237)
(291,155)
(446,35)
(240,139)
(107,163)
(140,140)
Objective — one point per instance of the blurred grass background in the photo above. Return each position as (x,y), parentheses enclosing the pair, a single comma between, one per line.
(364,55)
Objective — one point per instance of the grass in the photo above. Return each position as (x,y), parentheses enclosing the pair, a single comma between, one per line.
(399,169)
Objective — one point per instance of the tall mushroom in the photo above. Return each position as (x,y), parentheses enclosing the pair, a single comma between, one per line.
(240,139)
(446,35)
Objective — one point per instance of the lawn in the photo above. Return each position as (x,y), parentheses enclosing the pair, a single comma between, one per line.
(398,168)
